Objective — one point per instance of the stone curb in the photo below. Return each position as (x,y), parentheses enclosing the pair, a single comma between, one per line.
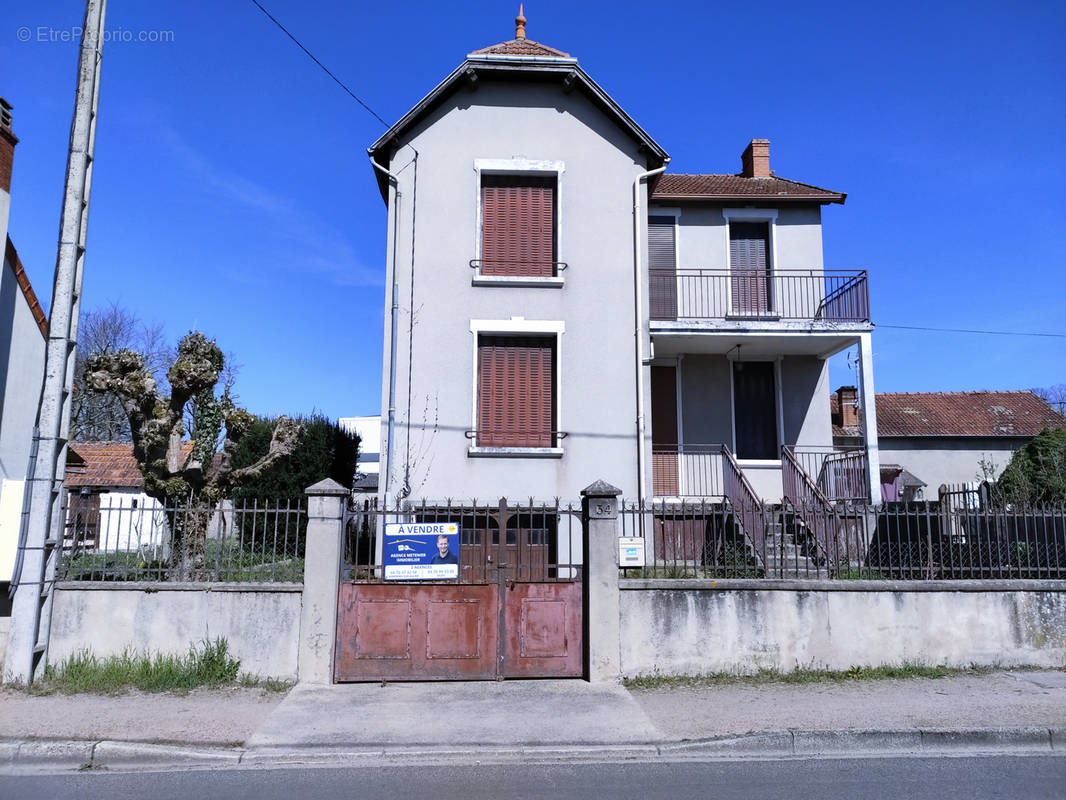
(36,756)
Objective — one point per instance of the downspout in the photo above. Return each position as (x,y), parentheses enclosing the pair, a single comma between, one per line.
(394,209)
(638,323)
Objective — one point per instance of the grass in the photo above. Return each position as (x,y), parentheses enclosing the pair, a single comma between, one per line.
(224,560)
(802,676)
(207,666)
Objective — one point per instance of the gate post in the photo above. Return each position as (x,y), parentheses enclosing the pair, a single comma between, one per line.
(322,571)
(600,515)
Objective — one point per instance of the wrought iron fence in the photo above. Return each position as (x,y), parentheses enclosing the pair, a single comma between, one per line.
(499,541)
(116,537)
(815,294)
(924,540)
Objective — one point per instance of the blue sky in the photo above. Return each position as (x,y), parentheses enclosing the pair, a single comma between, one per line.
(233,194)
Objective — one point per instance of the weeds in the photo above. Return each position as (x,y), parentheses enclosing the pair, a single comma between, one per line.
(209,665)
(802,676)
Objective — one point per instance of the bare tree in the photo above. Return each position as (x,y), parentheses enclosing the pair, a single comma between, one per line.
(157,425)
(99,416)
(1054,396)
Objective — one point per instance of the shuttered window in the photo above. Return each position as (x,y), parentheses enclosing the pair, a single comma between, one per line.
(662,267)
(518,225)
(749,262)
(516,391)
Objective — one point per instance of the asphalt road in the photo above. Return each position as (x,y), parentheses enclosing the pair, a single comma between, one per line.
(944,778)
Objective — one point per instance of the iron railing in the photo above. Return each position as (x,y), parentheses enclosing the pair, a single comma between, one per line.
(524,542)
(517,268)
(839,472)
(116,537)
(923,540)
(817,295)
(515,437)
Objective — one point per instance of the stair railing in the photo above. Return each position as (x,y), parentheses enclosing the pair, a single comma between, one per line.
(811,505)
(747,507)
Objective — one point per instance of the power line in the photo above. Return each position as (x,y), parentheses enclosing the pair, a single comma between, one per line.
(325,69)
(967,330)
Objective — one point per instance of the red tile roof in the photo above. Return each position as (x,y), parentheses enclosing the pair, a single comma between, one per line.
(107,465)
(521,47)
(739,187)
(11,255)
(964,414)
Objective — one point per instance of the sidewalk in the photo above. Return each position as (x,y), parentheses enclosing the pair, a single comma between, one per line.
(547,720)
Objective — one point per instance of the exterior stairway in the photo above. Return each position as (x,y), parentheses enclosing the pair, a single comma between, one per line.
(785,556)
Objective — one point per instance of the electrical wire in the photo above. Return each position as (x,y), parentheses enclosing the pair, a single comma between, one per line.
(968,330)
(325,69)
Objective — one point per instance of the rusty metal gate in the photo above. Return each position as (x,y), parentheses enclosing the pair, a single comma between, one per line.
(515,611)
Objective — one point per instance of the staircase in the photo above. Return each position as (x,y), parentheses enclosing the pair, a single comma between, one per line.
(785,556)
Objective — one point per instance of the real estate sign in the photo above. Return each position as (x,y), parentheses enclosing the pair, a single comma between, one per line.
(421,551)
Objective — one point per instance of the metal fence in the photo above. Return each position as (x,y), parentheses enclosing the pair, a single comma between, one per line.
(959,537)
(829,295)
(119,537)
(524,542)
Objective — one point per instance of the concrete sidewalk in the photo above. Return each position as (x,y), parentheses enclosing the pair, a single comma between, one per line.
(522,720)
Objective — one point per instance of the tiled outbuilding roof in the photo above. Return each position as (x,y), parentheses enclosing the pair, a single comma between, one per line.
(521,47)
(964,414)
(107,465)
(12,257)
(739,187)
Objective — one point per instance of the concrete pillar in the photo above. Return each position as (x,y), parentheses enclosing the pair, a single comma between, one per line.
(869,417)
(602,623)
(323,552)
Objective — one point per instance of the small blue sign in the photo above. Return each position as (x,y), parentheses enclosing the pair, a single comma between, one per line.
(421,551)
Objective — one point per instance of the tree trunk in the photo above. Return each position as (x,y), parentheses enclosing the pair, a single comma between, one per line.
(189,552)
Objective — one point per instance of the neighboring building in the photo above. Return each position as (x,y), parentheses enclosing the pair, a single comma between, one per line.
(542,349)
(23,336)
(932,438)
(368,429)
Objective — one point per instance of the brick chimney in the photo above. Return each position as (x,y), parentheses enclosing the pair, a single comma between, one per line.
(8,140)
(848,405)
(756,159)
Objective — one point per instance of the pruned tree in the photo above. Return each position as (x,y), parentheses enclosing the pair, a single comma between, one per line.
(1054,396)
(197,476)
(99,416)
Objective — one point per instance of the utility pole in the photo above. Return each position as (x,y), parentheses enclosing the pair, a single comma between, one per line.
(40,540)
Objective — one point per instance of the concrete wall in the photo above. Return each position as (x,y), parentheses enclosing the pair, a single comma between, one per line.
(694,628)
(596,397)
(260,622)
(943,460)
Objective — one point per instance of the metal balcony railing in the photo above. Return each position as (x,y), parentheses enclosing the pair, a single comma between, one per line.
(818,295)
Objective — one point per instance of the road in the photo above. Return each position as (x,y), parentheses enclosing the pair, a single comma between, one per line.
(944,778)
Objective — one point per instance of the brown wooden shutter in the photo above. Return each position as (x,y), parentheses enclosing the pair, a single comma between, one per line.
(662,268)
(517,225)
(516,391)
(749,263)
(664,444)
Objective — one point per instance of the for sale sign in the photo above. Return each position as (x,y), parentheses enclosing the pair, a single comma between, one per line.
(421,551)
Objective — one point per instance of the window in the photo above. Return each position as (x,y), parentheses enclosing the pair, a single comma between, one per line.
(518,226)
(755,410)
(516,404)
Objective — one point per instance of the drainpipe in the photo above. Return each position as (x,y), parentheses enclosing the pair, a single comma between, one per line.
(638,322)
(394,208)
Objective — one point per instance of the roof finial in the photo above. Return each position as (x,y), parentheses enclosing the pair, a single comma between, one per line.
(520,24)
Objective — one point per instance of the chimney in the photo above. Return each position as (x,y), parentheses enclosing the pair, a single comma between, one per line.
(8,140)
(848,405)
(756,159)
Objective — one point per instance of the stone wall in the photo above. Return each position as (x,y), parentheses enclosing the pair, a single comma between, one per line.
(688,627)
(260,622)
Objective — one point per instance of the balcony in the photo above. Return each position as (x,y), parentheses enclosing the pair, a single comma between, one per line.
(743,298)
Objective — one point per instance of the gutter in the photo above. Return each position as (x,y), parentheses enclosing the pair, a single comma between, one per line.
(638,322)
(394,209)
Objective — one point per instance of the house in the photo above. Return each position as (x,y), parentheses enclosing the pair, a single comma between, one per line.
(23,336)
(108,510)
(560,309)
(368,429)
(928,439)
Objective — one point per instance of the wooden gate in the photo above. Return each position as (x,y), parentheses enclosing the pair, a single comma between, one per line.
(515,612)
